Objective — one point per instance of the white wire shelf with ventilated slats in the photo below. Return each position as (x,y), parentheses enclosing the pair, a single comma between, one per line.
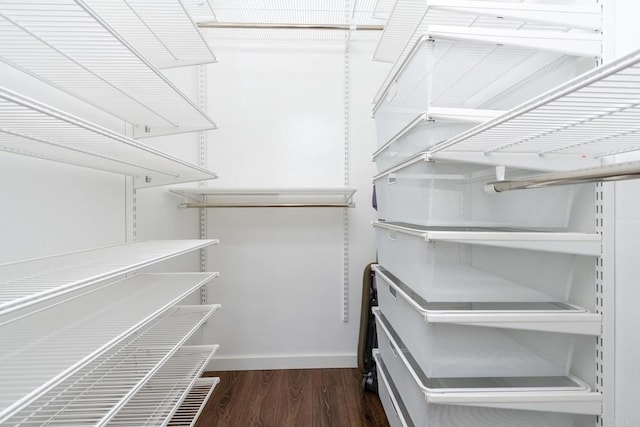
(85,57)
(96,393)
(160,398)
(191,407)
(300,12)
(164,31)
(32,281)
(293,20)
(382,9)
(200,10)
(78,331)
(591,121)
(266,197)
(31,128)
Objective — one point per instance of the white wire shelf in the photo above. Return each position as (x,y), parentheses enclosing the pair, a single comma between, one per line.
(565,242)
(199,10)
(30,128)
(410,18)
(28,282)
(266,197)
(295,12)
(84,57)
(258,35)
(164,31)
(76,332)
(160,398)
(95,394)
(192,406)
(581,124)
(382,9)
(293,20)
(541,315)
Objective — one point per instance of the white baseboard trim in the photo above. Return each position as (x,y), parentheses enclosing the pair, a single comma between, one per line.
(252,362)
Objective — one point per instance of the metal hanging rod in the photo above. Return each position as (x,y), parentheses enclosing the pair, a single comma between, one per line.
(289,26)
(618,172)
(312,197)
(267,205)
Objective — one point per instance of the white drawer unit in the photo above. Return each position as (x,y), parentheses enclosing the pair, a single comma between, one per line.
(482,402)
(390,398)
(480,298)
(420,191)
(426,130)
(484,339)
(482,265)
(444,69)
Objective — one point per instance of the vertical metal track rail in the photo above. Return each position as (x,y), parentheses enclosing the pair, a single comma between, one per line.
(605,216)
(202,162)
(605,301)
(130,201)
(599,294)
(345,212)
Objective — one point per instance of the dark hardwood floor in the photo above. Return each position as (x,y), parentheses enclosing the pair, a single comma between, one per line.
(296,397)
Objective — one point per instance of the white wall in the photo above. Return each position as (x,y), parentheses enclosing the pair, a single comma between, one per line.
(281,113)
(50,208)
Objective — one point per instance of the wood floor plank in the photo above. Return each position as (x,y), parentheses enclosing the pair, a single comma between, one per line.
(217,412)
(264,401)
(292,398)
(369,411)
(328,399)
(296,408)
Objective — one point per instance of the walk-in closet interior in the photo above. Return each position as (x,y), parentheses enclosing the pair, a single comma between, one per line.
(197,185)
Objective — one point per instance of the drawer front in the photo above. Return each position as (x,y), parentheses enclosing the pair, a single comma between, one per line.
(426,414)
